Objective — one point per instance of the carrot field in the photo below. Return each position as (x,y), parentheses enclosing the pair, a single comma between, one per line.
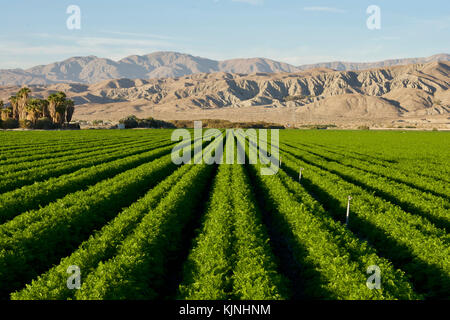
(113,206)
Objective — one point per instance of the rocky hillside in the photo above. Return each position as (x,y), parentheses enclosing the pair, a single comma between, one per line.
(352,66)
(92,69)
(156,65)
(411,90)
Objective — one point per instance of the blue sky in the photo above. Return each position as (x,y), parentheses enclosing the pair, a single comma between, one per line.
(296,32)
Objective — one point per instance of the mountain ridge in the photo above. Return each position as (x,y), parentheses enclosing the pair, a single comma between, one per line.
(166,64)
(418,91)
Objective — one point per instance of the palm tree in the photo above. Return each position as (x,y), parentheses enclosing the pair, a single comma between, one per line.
(35,109)
(24,92)
(22,96)
(44,113)
(54,101)
(57,107)
(13,100)
(6,113)
(60,114)
(69,110)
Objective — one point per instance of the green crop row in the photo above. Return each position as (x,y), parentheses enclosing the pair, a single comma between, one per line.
(39,151)
(22,178)
(38,144)
(31,196)
(74,155)
(38,158)
(255,275)
(41,193)
(434,208)
(421,154)
(139,269)
(410,241)
(72,141)
(101,246)
(413,179)
(207,271)
(15,170)
(329,270)
(34,240)
(231,258)
(333,262)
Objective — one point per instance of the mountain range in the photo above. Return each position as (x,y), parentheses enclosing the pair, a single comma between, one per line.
(91,69)
(413,93)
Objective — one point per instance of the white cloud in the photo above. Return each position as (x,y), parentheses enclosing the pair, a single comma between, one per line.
(141,35)
(324,9)
(23,49)
(105,41)
(252,2)
(52,48)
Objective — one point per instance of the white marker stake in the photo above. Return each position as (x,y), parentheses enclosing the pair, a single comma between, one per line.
(348,210)
(300,174)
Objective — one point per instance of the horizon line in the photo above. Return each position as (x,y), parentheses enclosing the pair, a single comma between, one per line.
(241,58)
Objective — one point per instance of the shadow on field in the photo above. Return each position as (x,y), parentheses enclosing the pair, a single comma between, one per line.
(405,206)
(292,266)
(409,184)
(427,279)
(175,264)
(22,268)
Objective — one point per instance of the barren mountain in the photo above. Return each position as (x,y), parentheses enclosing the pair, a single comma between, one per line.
(92,69)
(156,65)
(417,91)
(352,66)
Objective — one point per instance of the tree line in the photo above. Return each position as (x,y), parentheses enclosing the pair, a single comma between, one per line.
(28,112)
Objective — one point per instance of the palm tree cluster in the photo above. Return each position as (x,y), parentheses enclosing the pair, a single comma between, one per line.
(23,107)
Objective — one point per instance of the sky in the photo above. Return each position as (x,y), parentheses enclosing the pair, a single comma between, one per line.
(293,31)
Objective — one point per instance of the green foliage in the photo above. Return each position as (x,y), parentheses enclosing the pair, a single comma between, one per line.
(10,124)
(143,257)
(93,170)
(134,122)
(318,126)
(231,258)
(225,124)
(64,224)
(28,110)
(207,273)
(45,124)
(99,247)
(412,222)
(17,178)
(112,203)
(130,122)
